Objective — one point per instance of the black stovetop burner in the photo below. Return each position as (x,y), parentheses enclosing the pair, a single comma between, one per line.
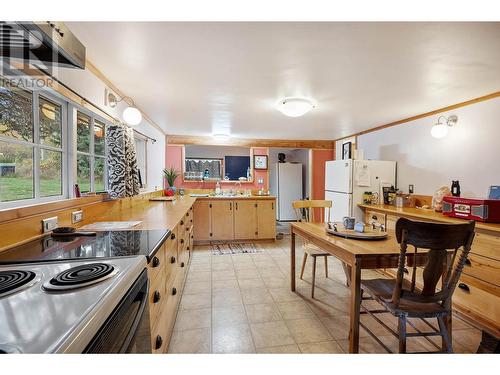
(13,281)
(80,276)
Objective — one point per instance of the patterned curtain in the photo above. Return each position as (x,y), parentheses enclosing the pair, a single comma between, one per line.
(123,175)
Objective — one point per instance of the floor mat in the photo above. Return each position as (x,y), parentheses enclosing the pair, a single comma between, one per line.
(235,248)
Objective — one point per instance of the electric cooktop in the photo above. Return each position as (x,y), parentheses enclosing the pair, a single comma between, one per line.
(106,244)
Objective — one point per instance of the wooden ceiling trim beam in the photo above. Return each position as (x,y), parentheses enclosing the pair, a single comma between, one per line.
(243,142)
(426,114)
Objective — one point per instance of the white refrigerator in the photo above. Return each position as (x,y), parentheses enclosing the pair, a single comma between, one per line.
(347,180)
(285,180)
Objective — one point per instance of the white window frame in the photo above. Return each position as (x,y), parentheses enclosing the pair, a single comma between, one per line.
(74,109)
(37,147)
(145,177)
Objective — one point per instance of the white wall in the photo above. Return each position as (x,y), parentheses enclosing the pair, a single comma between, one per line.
(86,84)
(469,153)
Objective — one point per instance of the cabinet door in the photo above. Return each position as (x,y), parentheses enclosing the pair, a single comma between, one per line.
(266,219)
(245,219)
(221,214)
(201,224)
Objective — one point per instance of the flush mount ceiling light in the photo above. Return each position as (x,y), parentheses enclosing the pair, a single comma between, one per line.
(295,106)
(440,128)
(131,115)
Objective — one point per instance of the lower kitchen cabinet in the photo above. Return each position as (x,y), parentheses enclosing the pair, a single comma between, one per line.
(221,220)
(238,219)
(167,275)
(245,220)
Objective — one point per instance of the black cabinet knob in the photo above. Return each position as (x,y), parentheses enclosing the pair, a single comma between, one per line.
(187,248)
(156,262)
(172,260)
(187,229)
(158,342)
(464,287)
(187,213)
(192,236)
(156,296)
(172,237)
(174,291)
(182,240)
(182,222)
(182,264)
(191,220)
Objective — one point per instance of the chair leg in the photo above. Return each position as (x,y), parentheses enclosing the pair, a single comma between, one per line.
(445,334)
(402,334)
(326,267)
(313,277)
(304,258)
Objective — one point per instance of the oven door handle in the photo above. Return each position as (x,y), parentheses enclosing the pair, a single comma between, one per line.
(143,297)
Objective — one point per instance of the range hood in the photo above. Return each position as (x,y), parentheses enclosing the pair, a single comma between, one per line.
(47,42)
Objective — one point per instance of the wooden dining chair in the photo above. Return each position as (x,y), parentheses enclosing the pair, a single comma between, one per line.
(307,210)
(403,299)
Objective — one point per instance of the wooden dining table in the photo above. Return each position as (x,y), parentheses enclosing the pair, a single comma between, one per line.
(355,255)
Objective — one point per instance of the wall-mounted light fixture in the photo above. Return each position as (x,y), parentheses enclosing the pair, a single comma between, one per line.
(440,128)
(131,115)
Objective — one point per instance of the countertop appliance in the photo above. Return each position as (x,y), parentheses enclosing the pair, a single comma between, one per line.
(347,180)
(81,306)
(487,210)
(106,244)
(285,181)
(49,42)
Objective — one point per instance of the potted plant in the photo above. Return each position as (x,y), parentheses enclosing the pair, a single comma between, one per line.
(170,175)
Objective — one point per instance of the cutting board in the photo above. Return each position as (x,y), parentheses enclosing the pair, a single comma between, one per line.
(368,234)
(162,199)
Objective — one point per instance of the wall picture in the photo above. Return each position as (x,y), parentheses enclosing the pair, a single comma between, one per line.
(260,162)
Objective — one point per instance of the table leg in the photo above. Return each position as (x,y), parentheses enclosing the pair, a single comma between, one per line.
(292,262)
(447,319)
(355,307)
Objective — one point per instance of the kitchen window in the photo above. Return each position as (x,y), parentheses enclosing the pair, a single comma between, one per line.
(91,153)
(141,147)
(32,147)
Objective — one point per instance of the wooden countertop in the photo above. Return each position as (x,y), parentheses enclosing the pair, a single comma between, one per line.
(239,197)
(154,214)
(417,213)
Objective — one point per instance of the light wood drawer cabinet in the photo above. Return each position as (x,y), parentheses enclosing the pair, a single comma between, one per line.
(156,264)
(484,269)
(479,304)
(238,219)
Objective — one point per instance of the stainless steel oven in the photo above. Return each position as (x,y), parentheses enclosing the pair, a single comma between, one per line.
(127,329)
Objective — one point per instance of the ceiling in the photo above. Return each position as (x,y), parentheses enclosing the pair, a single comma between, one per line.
(200,78)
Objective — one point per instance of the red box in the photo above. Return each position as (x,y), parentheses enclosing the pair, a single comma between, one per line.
(487,210)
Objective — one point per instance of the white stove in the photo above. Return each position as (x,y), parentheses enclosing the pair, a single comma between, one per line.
(60,307)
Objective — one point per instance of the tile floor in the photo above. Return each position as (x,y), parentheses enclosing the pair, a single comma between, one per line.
(242,304)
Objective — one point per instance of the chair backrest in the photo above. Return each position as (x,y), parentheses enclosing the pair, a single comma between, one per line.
(438,240)
(305,210)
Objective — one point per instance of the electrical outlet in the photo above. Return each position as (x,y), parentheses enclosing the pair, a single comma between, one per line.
(49,224)
(76,216)
(410,188)
(260,181)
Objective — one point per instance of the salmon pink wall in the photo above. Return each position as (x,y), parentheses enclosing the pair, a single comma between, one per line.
(173,158)
(319,157)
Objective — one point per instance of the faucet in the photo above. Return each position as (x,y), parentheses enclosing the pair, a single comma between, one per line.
(237,183)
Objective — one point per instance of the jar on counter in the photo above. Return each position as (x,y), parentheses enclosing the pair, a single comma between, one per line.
(399,199)
(367,197)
